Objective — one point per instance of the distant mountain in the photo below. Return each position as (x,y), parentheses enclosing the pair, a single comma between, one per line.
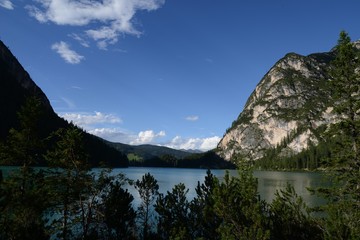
(148,151)
(16,86)
(159,156)
(192,150)
(289,109)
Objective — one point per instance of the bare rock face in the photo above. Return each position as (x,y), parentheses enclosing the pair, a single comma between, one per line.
(288,108)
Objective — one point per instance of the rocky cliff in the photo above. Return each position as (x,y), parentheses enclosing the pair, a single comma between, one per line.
(290,108)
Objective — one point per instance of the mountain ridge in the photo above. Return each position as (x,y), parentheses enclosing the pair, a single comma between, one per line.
(16,86)
(148,151)
(289,108)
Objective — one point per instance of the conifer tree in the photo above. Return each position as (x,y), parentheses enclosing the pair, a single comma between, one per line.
(118,213)
(68,179)
(148,189)
(343,220)
(204,220)
(173,210)
(23,196)
(238,205)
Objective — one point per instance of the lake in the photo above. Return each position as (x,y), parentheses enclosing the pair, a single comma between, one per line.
(268,181)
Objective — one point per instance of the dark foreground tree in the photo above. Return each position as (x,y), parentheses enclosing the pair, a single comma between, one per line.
(238,204)
(173,210)
(203,219)
(118,213)
(22,194)
(290,217)
(68,180)
(148,189)
(343,221)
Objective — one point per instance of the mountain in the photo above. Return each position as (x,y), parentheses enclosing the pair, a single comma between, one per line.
(147,151)
(158,156)
(288,110)
(16,86)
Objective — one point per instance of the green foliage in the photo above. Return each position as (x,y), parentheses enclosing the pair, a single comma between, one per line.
(173,210)
(24,146)
(68,179)
(244,117)
(346,82)
(203,219)
(344,200)
(82,205)
(148,189)
(237,203)
(312,158)
(205,160)
(119,215)
(23,196)
(290,217)
(22,203)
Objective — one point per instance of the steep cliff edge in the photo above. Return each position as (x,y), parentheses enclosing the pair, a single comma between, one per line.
(289,108)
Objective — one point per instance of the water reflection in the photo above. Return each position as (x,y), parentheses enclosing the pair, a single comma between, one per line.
(268,181)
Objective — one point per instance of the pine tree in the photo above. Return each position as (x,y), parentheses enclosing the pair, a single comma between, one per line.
(204,221)
(290,217)
(118,213)
(239,207)
(173,210)
(148,189)
(23,196)
(68,179)
(343,220)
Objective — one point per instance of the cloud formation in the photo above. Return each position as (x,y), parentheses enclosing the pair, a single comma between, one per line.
(97,123)
(203,144)
(113,17)
(148,136)
(87,119)
(152,137)
(6,4)
(113,134)
(70,56)
(192,118)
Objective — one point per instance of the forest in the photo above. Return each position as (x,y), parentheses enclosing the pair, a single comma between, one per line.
(67,200)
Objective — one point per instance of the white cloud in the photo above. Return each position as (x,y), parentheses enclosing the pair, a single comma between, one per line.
(80,39)
(148,136)
(6,4)
(203,144)
(113,134)
(70,104)
(209,143)
(86,119)
(192,118)
(70,56)
(114,16)
(123,136)
(143,137)
(77,87)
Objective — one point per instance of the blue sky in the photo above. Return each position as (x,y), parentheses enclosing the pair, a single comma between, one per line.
(167,72)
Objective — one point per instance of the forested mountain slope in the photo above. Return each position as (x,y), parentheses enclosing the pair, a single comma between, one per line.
(16,86)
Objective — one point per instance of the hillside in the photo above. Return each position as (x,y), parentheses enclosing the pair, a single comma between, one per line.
(16,86)
(288,110)
(148,151)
